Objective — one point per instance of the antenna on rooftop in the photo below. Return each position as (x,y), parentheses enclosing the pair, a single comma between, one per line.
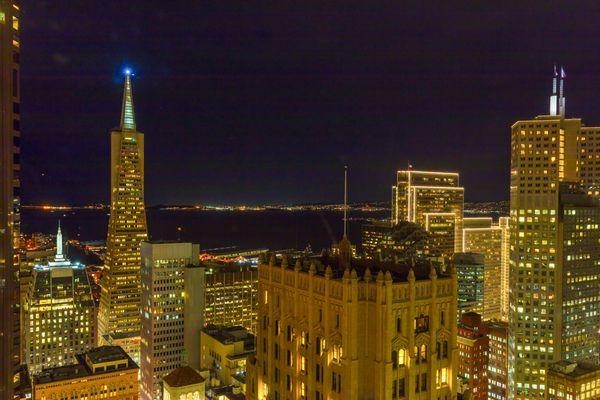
(345,200)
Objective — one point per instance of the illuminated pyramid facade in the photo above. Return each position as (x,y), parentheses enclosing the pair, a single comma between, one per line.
(119,313)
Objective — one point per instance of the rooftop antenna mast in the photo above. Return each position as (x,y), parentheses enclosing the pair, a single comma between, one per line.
(345,200)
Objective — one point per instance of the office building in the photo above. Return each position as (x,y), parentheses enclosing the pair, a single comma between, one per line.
(481,235)
(217,293)
(470,273)
(59,314)
(384,240)
(224,352)
(184,383)
(472,356)
(435,201)
(497,365)
(162,336)
(105,372)
(573,381)
(554,277)
(346,328)
(10,137)
(119,312)
(504,224)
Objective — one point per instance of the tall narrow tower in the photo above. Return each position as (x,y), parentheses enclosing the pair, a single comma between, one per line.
(554,277)
(9,197)
(119,313)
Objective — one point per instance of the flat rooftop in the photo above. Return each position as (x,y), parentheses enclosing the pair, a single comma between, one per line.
(104,354)
(82,369)
(230,335)
(573,369)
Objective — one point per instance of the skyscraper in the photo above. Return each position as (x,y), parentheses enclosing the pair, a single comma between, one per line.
(119,312)
(59,316)
(554,277)
(435,201)
(9,197)
(470,275)
(481,235)
(162,337)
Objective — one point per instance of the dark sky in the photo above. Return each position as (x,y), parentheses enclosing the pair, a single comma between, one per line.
(264,102)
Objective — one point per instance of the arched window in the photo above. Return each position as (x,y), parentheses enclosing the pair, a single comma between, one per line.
(423,353)
(398,325)
(445,349)
(401,357)
(394,359)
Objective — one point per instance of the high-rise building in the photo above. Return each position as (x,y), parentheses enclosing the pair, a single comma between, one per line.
(119,312)
(497,367)
(504,224)
(105,372)
(481,235)
(224,351)
(162,335)
(59,317)
(10,167)
(470,273)
(224,294)
(384,240)
(573,381)
(346,328)
(435,201)
(472,357)
(554,276)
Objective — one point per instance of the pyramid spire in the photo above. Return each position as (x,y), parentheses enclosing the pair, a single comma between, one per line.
(127,114)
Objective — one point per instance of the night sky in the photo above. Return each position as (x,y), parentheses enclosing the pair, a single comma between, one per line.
(265,102)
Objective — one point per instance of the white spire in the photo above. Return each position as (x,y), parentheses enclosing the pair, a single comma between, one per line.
(59,245)
(561,101)
(557,98)
(553,96)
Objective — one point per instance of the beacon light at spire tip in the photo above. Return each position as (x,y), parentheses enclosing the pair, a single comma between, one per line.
(127,71)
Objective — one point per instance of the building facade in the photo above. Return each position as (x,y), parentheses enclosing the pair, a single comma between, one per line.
(435,201)
(224,351)
(10,137)
(481,235)
(101,373)
(162,335)
(472,356)
(119,312)
(184,383)
(553,308)
(504,224)
(59,314)
(222,294)
(331,328)
(470,273)
(497,366)
(573,381)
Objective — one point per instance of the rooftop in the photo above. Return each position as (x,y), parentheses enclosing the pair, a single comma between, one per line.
(183,376)
(573,369)
(104,354)
(398,269)
(230,335)
(82,369)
